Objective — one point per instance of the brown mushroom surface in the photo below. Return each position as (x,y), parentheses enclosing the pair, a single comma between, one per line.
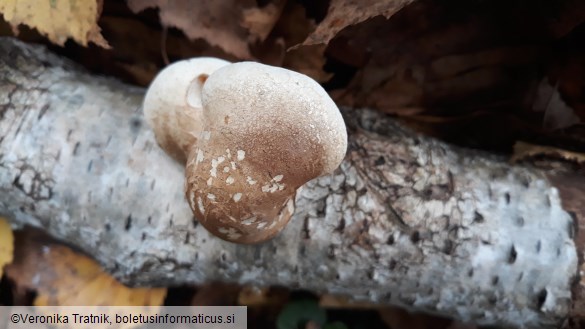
(262,133)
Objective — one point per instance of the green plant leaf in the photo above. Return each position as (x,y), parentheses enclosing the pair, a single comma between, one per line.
(298,313)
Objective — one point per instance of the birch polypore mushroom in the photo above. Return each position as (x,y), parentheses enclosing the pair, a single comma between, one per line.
(262,132)
(172,104)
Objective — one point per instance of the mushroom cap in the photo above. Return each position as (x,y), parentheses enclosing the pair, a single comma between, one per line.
(172,104)
(267,131)
(281,117)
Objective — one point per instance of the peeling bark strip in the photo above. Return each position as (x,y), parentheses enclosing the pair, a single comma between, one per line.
(405,220)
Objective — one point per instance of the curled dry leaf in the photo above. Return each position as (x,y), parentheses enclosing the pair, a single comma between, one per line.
(218,22)
(308,60)
(292,28)
(270,297)
(343,13)
(557,114)
(6,244)
(261,21)
(344,302)
(524,151)
(62,277)
(59,20)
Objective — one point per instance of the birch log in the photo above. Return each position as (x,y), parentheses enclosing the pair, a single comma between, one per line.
(405,220)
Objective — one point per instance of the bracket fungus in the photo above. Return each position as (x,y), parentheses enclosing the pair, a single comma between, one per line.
(250,135)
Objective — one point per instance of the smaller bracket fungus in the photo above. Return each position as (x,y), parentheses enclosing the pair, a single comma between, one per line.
(250,135)
(172,105)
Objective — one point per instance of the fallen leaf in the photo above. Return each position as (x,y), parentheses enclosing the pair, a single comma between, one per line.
(523,151)
(143,73)
(218,22)
(63,277)
(342,302)
(570,14)
(261,21)
(308,60)
(59,20)
(557,114)
(252,296)
(294,24)
(343,13)
(137,54)
(216,294)
(456,64)
(567,74)
(6,244)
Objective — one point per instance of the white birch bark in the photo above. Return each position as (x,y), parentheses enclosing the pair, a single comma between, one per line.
(405,220)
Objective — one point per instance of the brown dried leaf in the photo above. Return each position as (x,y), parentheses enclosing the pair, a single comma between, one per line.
(216,294)
(294,25)
(261,21)
(139,49)
(567,74)
(59,20)
(570,15)
(250,295)
(343,13)
(523,151)
(308,60)
(341,302)
(64,277)
(557,114)
(263,297)
(218,22)
(6,244)
(142,73)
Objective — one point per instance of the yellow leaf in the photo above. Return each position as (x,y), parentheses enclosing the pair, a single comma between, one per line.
(524,151)
(57,19)
(6,244)
(63,277)
(79,280)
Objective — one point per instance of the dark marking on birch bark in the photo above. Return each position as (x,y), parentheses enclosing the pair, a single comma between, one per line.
(76,149)
(541,298)
(478,217)
(513,255)
(33,184)
(43,110)
(128,224)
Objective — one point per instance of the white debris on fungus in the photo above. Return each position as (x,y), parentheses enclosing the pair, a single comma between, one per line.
(200,205)
(249,221)
(274,185)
